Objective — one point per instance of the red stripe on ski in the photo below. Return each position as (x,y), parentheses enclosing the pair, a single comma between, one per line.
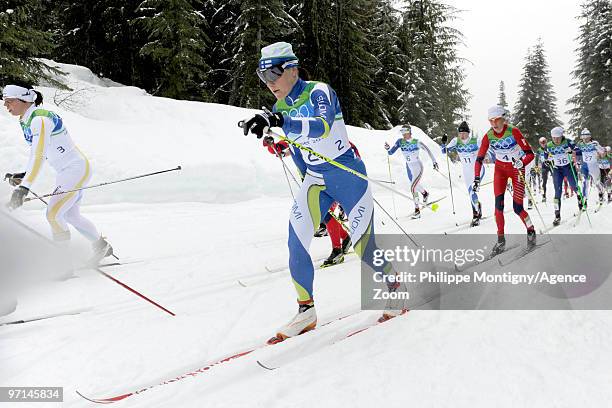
(111,400)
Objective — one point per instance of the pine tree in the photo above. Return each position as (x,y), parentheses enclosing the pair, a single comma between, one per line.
(100,36)
(502,95)
(434,98)
(21,44)
(316,39)
(355,66)
(592,104)
(176,43)
(535,111)
(258,24)
(221,15)
(388,80)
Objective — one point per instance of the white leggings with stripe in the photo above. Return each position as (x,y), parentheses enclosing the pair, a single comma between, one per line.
(64,209)
(415,172)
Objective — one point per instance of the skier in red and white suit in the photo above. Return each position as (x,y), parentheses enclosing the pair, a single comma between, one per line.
(512,154)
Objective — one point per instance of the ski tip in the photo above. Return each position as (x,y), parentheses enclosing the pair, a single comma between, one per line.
(266,367)
(241,283)
(104,400)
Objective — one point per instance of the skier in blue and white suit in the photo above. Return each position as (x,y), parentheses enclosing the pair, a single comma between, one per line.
(310,114)
(590,149)
(467,150)
(411,147)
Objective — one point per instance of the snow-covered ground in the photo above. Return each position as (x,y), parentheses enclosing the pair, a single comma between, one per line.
(223,218)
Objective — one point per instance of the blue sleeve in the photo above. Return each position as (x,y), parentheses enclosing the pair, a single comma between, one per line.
(395,147)
(450,147)
(319,124)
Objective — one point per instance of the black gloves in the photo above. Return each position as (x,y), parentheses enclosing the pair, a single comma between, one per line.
(444,139)
(14,179)
(476,185)
(261,122)
(18,197)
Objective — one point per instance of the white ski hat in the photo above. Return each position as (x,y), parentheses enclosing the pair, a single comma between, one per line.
(497,112)
(18,92)
(277,53)
(557,132)
(585,132)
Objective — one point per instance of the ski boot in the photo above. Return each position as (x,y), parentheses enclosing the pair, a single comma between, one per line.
(321,231)
(305,320)
(557,219)
(499,247)
(336,257)
(475,217)
(101,249)
(479,210)
(425,196)
(417,214)
(531,238)
(394,307)
(346,245)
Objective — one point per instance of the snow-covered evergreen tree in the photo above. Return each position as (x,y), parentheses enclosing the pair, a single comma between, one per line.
(355,65)
(535,112)
(177,43)
(434,98)
(21,43)
(502,95)
(258,24)
(592,104)
(221,16)
(101,36)
(389,79)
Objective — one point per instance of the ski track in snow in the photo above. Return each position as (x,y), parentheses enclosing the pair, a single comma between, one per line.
(224,218)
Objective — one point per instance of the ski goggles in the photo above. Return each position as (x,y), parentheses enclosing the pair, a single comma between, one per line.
(273,73)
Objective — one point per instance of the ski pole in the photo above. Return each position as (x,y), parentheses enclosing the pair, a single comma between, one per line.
(580,195)
(133,291)
(450,183)
(522,178)
(391,180)
(288,170)
(105,184)
(395,222)
(33,193)
(38,197)
(278,154)
(341,166)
